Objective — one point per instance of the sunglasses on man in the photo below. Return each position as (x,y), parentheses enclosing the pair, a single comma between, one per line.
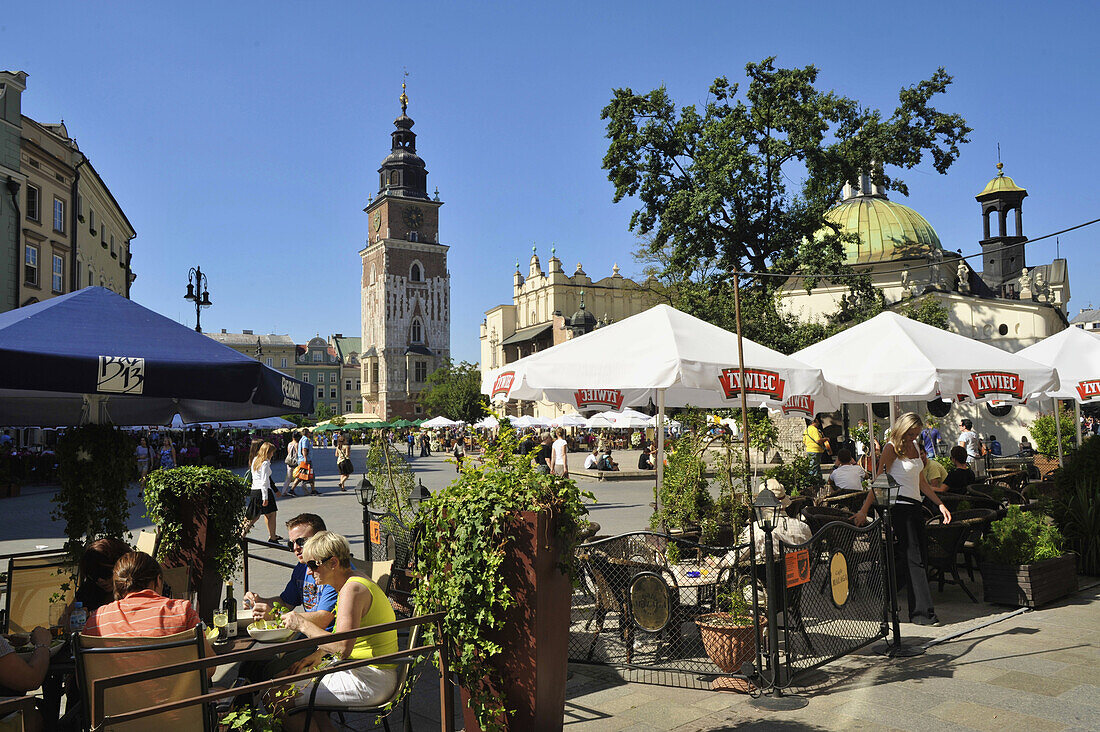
(299,542)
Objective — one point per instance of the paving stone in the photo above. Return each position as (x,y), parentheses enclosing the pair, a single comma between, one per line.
(1033,684)
(666,713)
(1086,694)
(991,719)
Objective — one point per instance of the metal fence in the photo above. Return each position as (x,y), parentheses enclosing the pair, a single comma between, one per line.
(836,597)
(641,600)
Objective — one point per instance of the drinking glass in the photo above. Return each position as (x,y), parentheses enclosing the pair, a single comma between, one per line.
(221,620)
(57,614)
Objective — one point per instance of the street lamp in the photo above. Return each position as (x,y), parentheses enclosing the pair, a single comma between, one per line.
(419,494)
(197,282)
(365,492)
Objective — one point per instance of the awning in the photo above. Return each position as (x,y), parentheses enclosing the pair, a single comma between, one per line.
(419,350)
(527,334)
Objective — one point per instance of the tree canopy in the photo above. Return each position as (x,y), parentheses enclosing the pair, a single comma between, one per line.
(744,184)
(454,392)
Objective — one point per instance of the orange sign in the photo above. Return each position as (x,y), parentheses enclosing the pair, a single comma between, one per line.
(798,567)
(376,533)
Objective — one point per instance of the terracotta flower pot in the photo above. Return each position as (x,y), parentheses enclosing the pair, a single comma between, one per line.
(729,641)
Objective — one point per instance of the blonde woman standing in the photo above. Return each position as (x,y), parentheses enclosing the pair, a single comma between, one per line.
(263,492)
(343,460)
(559,453)
(903,460)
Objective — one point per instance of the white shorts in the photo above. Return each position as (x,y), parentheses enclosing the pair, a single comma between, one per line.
(363,686)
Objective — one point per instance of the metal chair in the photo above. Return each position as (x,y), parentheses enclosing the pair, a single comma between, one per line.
(34,583)
(945,542)
(381,708)
(104,657)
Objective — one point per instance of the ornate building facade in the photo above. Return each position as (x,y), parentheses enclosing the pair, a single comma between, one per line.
(406,286)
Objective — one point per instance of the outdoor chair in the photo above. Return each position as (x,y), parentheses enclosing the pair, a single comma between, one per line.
(945,542)
(850,501)
(14,713)
(33,583)
(973,540)
(817,516)
(978,499)
(404,665)
(103,657)
(177,582)
(147,542)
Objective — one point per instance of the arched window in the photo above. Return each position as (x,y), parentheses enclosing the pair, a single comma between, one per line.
(393,178)
(416,274)
(417,335)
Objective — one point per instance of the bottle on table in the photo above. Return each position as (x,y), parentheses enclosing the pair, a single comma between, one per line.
(229,607)
(78,618)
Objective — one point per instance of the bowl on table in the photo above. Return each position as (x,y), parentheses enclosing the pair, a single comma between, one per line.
(270,633)
(55,646)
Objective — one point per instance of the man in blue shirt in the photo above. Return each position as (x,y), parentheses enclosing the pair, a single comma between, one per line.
(930,436)
(304,474)
(318,601)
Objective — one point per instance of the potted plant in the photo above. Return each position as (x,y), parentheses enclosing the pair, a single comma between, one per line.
(496,555)
(729,635)
(1044,432)
(1022,562)
(199,513)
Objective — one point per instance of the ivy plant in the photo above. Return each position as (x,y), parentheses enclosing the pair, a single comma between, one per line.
(224,494)
(392,477)
(95,463)
(468,531)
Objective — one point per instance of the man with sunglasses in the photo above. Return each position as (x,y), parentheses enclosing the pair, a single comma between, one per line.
(318,601)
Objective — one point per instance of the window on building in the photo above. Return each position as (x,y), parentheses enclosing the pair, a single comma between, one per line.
(91,219)
(59,215)
(91,277)
(419,409)
(30,264)
(305,377)
(282,363)
(317,356)
(113,252)
(347,384)
(358,385)
(416,336)
(374,373)
(416,274)
(347,405)
(269,362)
(34,197)
(320,392)
(332,392)
(58,273)
(420,371)
(332,378)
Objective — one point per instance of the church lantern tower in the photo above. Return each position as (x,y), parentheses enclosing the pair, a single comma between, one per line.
(406,287)
(1002,253)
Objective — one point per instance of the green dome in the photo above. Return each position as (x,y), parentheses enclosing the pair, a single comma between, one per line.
(887,230)
(1001,184)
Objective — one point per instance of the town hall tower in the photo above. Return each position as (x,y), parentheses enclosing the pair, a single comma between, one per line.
(406,288)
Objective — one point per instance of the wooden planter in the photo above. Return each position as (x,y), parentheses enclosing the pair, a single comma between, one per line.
(1030,585)
(535,636)
(728,645)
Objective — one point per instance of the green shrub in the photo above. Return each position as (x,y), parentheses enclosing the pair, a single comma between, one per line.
(1021,537)
(1077,514)
(1045,432)
(795,476)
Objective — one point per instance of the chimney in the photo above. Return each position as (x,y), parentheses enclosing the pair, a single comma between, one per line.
(338,335)
(223,330)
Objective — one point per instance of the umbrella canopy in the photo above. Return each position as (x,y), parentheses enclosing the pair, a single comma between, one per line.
(488,423)
(600,420)
(265,423)
(1075,355)
(436,422)
(569,420)
(401,423)
(669,422)
(93,355)
(891,356)
(625,363)
(628,418)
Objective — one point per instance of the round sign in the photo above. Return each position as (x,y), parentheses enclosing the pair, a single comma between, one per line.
(838,576)
(649,601)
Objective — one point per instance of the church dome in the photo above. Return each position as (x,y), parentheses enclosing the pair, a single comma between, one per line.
(887,230)
(1001,184)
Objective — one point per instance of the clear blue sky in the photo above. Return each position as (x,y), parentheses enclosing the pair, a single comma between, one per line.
(244,137)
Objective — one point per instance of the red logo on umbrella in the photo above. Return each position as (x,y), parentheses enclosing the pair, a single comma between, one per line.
(1088,389)
(757,381)
(799,403)
(586,398)
(503,384)
(984,383)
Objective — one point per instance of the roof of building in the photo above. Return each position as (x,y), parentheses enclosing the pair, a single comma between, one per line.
(1086,316)
(526,334)
(1001,184)
(420,350)
(347,346)
(249,339)
(887,230)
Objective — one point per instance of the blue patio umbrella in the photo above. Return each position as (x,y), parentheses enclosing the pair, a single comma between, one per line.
(94,356)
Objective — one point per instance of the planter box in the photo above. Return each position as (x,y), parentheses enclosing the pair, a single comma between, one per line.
(535,636)
(1030,585)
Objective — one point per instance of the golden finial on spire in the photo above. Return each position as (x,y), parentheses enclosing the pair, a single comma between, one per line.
(404,98)
(1000,169)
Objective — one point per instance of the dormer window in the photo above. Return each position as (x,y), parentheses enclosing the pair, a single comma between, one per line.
(416,333)
(317,356)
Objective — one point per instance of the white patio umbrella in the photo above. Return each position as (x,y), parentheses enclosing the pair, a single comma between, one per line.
(628,418)
(600,420)
(569,420)
(1075,355)
(893,357)
(437,422)
(660,354)
(669,422)
(488,423)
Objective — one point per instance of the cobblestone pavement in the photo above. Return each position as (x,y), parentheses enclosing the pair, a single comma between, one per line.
(1036,671)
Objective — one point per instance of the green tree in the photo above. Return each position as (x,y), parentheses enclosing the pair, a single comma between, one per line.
(322,411)
(743,186)
(454,392)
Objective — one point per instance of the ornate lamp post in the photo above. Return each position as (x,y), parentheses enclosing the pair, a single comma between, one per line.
(364,492)
(196,283)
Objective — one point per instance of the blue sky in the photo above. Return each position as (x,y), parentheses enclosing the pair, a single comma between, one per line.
(244,137)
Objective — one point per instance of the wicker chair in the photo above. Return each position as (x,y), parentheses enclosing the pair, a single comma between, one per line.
(850,501)
(945,542)
(817,516)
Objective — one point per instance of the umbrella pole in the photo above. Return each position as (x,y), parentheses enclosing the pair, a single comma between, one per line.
(1077,413)
(741,381)
(871,438)
(660,448)
(1058,429)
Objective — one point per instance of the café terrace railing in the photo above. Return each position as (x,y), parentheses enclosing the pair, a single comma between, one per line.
(446,690)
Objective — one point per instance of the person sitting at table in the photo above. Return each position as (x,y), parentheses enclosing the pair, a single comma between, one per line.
(934,473)
(141,610)
(593,460)
(606,463)
(1026,450)
(20,673)
(846,475)
(960,476)
(994,446)
(645,461)
(361,603)
(318,600)
(95,584)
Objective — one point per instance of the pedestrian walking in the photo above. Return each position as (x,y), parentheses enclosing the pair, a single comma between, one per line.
(459,452)
(291,462)
(304,472)
(343,460)
(559,452)
(410,439)
(262,500)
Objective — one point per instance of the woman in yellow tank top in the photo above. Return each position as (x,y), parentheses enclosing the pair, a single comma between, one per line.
(360,603)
